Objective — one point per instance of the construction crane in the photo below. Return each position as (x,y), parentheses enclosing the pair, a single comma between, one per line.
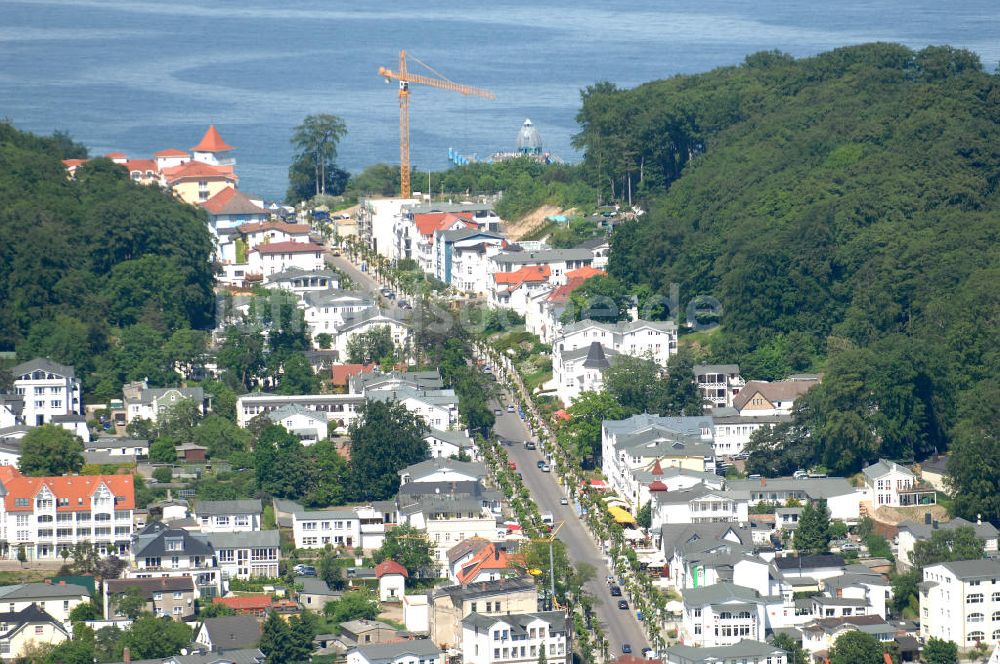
(405,78)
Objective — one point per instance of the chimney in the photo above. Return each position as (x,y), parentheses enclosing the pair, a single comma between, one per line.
(62,583)
(763,481)
(496,553)
(927,518)
(127,656)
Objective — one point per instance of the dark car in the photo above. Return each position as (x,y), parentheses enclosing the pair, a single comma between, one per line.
(626,648)
(623,605)
(528,445)
(616,591)
(540,463)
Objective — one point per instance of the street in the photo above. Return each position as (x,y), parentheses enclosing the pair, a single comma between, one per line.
(621,626)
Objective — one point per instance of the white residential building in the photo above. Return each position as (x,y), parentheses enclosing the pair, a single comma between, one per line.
(759,397)
(733,431)
(142,401)
(842,499)
(417,651)
(699,504)
(516,290)
(960,602)
(377,219)
(896,486)
(336,526)
(56,599)
(911,532)
(718,383)
(11,410)
(365,321)
(581,370)
(339,409)
(821,634)
(303,281)
(325,311)
(639,338)
(268,259)
(48,390)
(438,408)
(559,261)
(443,470)
(44,515)
(161,551)
(243,555)
(461,258)
(515,638)
(228,516)
(309,426)
(451,444)
(272,232)
(447,520)
(723,614)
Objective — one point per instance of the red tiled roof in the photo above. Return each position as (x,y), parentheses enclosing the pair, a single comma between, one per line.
(142,165)
(657,485)
(171,152)
(288,247)
(340,374)
(245,602)
(573,281)
(528,273)
(232,201)
(77,489)
(212,142)
(116,155)
(489,558)
(73,163)
(390,567)
(429,222)
(200,170)
(562,415)
(657,468)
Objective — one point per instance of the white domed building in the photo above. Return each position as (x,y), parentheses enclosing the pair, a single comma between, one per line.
(528,139)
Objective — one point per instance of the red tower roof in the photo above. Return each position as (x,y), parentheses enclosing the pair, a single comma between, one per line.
(390,567)
(212,142)
(657,469)
(657,485)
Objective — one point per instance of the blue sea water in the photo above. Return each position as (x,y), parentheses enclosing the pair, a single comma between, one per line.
(143,75)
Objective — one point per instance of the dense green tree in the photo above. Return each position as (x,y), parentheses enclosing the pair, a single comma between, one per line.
(276,639)
(856,648)
(780,450)
(85,611)
(302,629)
(602,298)
(297,376)
(385,438)
(179,420)
(353,605)
(938,651)
(905,591)
(50,450)
(974,463)
(78,650)
(813,533)
(370,346)
(221,436)
(947,545)
(163,450)
(582,433)
(242,353)
(636,383)
(330,571)
(280,463)
(223,398)
(315,141)
(185,350)
(330,479)
(645,516)
(407,546)
(150,637)
(130,602)
(681,395)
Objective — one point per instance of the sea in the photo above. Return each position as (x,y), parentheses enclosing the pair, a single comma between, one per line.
(139,76)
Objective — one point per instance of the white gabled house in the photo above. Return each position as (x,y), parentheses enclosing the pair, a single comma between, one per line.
(48,390)
(893,485)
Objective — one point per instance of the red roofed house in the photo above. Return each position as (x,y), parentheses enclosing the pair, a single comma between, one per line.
(421,235)
(267,259)
(489,564)
(246,605)
(170,157)
(45,515)
(195,182)
(513,290)
(391,581)
(542,312)
(143,171)
(212,150)
(231,207)
(341,374)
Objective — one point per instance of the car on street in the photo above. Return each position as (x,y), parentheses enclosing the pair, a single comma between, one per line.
(497,412)
(529,445)
(610,580)
(626,648)
(616,591)
(540,463)
(647,653)
(546,468)
(510,408)
(623,605)
(564,501)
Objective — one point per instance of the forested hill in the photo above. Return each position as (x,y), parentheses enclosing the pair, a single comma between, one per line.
(844,210)
(97,272)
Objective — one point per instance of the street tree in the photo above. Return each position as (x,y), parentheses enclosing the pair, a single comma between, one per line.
(50,450)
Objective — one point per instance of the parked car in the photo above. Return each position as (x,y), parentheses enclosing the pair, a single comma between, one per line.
(497,412)
(510,408)
(540,463)
(623,605)
(304,570)
(529,445)
(564,501)
(616,591)
(546,468)
(647,653)
(626,648)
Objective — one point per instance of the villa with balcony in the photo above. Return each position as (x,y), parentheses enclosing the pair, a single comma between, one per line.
(893,485)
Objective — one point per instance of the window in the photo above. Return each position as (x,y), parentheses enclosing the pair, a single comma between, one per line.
(178,595)
(975,637)
(996,597)
(975,617)
(39,629)
(996,616)
(21,502)
(974,598)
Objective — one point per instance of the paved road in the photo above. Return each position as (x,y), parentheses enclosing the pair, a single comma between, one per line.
(621,626)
